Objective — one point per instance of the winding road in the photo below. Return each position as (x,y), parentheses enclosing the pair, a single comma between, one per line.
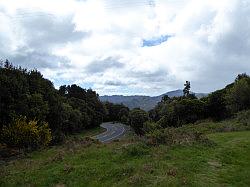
(114,131)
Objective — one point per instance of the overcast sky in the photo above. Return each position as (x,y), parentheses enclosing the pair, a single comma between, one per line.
(128,47)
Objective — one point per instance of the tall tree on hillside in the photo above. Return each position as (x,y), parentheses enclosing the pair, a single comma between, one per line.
(186,90)
(241,76)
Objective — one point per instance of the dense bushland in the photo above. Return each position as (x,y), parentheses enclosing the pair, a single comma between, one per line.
(28,101)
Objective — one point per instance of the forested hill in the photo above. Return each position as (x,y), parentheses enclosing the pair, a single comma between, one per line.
(144,102)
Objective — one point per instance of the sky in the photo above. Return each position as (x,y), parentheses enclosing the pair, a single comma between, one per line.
(129,47)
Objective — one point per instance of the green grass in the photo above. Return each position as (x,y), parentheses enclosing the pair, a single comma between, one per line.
(132,163)
(89,132)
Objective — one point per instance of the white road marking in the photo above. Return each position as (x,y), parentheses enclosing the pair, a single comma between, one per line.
(123,129)
(111,130)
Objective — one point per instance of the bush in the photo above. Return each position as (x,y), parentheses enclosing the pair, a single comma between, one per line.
(135,150)
(150,127)
(26,134)
(58,137)
(136,118)
(172,136)
(124,119)
(243,118)
(239,95)
(182,111)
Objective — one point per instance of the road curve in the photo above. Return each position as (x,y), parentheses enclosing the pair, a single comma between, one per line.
(114,131)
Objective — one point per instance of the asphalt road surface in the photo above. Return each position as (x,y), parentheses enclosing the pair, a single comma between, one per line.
(114,131)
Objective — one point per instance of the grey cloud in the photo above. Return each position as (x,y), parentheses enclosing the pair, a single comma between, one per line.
(39,60)
(157,76)
(237,40)
(44,32)
(100,66)
(114,83)
(229,55)
(40,34)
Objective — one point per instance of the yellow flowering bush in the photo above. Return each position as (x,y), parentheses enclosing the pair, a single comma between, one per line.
(26,134)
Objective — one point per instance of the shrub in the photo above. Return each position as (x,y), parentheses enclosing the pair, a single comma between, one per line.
(135,150)
(26,134)
(124,119)
(171,136)
(243,118)
(180,111)
(137,117)
(149,127)
(239,95)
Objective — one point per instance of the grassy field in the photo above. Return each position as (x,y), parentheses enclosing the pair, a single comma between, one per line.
(81,162)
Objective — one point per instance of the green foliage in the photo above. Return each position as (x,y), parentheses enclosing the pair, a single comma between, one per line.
(149,127)
(26,134)
(87,102)
(124,119)
(136,150)
(218,105)
(239,94)
(38,108)
(243,117)
(170,136)
(181,111)
(240,122)
(116,112)
(192,133)
(136,119)
(27,93)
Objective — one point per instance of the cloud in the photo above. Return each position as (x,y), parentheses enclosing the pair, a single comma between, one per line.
(100,66)
(45,32)
(114,83)
(39,60)
(129,47)
(38,35)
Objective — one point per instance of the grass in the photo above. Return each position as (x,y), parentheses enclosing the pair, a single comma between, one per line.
(89,132)
(132,163)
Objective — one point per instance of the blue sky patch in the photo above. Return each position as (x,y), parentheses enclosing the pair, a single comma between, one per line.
(155,41)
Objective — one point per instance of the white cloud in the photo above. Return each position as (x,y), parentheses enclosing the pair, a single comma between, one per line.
(209,47)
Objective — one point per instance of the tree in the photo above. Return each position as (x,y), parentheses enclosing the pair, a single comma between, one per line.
(136,118)
(216,105)
(241,76)
(186,89)
(38,108)
(165,98)
(116,112)
(63,90)
(181,111)
(239,94)
(67,110)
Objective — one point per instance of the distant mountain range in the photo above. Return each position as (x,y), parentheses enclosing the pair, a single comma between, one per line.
(144,102)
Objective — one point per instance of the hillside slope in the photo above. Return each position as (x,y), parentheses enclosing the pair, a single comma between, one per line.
(127,163)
